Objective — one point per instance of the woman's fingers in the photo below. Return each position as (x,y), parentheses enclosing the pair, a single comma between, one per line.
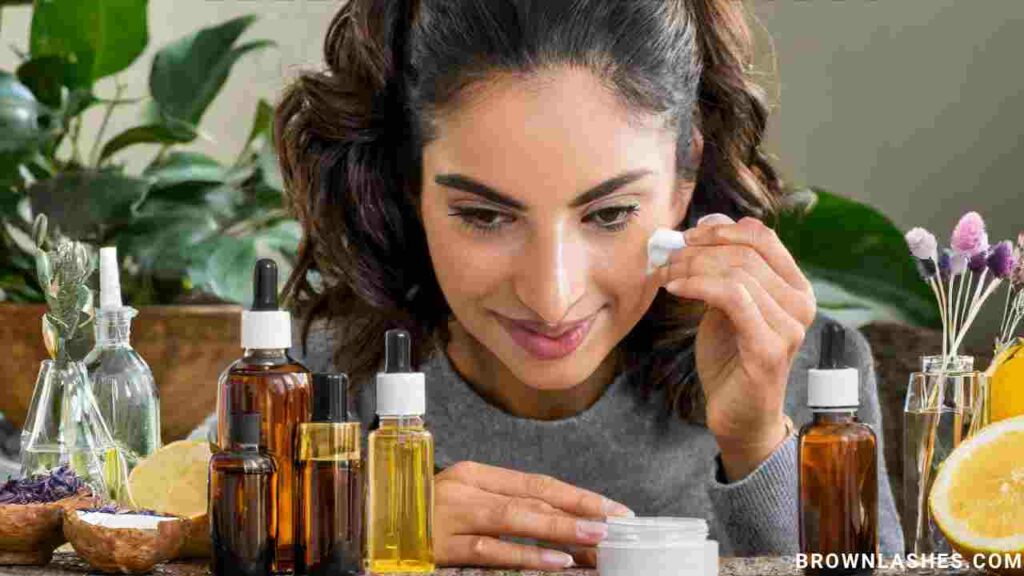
(480,550)
(754,233)
(754,336)
(569,498)
(720,260)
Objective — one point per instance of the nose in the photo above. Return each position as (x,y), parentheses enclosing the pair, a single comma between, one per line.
(552,274)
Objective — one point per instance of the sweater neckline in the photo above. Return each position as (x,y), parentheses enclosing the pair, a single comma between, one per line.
(449,388)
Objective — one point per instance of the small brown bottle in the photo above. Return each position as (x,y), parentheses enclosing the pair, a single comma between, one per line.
(329,468)
(268,381)
(243,518)
(838,470)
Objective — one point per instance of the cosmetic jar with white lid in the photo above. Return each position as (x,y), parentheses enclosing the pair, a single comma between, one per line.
(657,546)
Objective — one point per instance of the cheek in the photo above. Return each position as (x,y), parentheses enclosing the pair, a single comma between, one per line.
(619,270)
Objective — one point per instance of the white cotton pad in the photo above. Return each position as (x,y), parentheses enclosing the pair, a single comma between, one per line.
(661,245)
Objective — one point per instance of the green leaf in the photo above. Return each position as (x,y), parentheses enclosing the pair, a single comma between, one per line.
(189,73)
(223,267)
(163,237)
(179,168)
(86,203)
(150,134)
(848,246)
(262,124)
(97,38)
(45,76)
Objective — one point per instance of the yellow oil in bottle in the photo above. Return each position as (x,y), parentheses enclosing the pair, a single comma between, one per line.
(399,503)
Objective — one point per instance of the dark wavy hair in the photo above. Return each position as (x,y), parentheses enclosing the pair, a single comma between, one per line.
(350,138)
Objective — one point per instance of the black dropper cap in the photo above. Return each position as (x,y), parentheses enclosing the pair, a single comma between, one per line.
(833,347)
(244,429)
(330,398)
(397,351)
(264,285)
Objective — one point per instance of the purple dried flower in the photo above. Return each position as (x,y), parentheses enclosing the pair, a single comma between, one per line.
(978,262)
(945,262)
(1001,260)
(958,264)
(922,243)
(56,485)
(969,236)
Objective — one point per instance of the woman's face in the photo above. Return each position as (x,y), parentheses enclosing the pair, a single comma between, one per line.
(538,198)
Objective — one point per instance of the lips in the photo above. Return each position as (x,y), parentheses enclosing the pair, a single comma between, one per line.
(545,342)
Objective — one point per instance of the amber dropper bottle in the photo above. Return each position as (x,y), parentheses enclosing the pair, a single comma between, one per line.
(329,525)
(838,469)
(400,464)
(243,518)
(268,381)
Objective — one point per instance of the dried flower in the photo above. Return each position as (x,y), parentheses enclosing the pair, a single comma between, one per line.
(56,485)
(922,244)
(958,263)
(1001,260)
(969,235)
(945,262)
(978,262)
(926,268)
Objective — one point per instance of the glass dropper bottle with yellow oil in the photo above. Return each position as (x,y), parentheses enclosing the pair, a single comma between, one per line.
(400,467)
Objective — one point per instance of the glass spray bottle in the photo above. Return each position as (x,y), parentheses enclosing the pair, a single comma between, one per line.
(243,517)
(121,380)
(329,522)
(400,466)
(837,460)
(268,381)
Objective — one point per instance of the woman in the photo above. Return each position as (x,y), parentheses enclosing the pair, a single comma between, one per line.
(485,174)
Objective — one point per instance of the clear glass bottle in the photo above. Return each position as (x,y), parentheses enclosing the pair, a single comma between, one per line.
(838,469)
(329,482)
(268,381)
(400,469)
(243,516)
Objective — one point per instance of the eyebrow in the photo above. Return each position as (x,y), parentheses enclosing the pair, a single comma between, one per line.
(467,184)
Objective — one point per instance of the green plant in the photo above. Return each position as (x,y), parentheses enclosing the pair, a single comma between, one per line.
(186,225)
(856,259)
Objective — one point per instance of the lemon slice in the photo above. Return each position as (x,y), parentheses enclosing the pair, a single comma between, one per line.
(173,480)
(1006,384)
(977,499)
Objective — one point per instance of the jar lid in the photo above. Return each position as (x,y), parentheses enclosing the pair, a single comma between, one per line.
(659,530)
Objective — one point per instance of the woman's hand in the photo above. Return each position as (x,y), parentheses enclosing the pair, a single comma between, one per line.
(759,308)
(475,503)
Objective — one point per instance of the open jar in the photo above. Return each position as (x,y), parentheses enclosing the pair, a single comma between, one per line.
(657,546)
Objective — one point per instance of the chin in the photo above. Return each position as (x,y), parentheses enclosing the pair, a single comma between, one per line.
(557,374)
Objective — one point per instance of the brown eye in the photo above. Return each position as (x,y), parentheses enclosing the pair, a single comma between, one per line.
(612,218)
(482,219)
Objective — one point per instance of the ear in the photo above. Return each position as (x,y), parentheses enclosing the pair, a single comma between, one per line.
(685,185)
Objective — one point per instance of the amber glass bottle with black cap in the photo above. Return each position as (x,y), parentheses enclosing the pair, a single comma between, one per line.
(329,482)
(267,380)
(242,510)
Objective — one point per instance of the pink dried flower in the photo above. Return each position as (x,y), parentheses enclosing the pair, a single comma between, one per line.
(1020,240)
(969,235)
(922,244)
(1001,261)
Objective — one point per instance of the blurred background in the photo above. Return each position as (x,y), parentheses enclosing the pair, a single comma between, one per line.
(910,107)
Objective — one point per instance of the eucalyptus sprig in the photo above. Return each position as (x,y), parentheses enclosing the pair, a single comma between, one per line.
(63,268)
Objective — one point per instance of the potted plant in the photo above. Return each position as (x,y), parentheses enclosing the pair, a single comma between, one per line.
(187,226)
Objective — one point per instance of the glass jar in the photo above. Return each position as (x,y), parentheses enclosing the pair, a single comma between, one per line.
(657,546)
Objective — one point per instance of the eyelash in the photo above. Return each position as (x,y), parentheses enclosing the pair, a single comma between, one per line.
(479,219)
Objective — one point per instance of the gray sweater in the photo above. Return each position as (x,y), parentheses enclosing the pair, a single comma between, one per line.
(624,448)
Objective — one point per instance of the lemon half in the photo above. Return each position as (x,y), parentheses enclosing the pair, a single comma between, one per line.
(977,499)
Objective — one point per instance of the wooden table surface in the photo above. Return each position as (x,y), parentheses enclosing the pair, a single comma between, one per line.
(64,564)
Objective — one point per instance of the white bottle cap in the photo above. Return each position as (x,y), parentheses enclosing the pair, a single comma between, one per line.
(110,279)
(266,329)
(401,394)
(660,246)
(833,388)
(400,391)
